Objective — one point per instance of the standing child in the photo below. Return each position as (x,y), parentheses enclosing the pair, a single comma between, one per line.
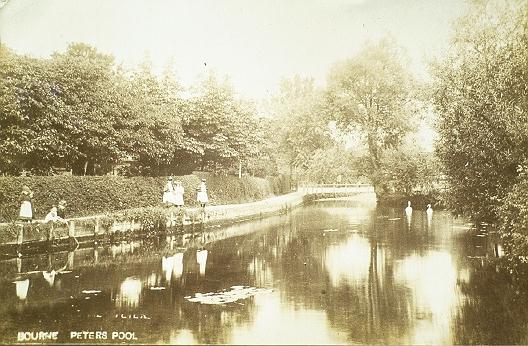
(168,192)
(178,194)
(202,194)
(26,207)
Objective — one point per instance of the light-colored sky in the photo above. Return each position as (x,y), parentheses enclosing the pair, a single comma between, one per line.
(255,43)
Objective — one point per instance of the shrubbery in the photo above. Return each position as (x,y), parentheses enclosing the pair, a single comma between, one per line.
(513,219)
(91,195)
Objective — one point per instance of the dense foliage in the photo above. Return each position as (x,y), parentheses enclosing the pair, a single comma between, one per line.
(371,94)
(94,195)
(481,94)
(79,111)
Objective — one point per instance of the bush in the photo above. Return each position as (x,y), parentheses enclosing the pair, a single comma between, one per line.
(90,195)
(513,220)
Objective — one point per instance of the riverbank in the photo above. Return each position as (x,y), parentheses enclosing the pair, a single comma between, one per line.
(17,238)
(93,195)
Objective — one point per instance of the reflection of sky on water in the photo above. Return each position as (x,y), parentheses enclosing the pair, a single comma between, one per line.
(347,274)
(129,293)
(183,337)
(432,278)
(348,262)
(273,323)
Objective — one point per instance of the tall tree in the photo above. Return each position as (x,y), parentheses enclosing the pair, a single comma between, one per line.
(220,128)
(151,120)
(481,97)
(30,111)
(84,81)
(300,125)
(371,93)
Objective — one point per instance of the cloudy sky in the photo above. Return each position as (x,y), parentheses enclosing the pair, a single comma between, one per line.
(255,43)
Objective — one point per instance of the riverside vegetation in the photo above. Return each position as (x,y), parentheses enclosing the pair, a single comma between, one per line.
(77,110)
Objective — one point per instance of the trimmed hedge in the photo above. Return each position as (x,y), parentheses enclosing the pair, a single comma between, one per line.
(90,195)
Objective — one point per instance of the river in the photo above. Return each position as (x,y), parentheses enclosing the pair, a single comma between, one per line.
(333,272)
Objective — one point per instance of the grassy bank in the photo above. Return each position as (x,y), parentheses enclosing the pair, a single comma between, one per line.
(91,195)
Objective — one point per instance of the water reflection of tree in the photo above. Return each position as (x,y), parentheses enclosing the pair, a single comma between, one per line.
(496,312)
(370,311)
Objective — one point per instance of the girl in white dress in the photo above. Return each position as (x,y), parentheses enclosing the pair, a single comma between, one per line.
(202,194)
(26,208)
(178,194)
(168,192)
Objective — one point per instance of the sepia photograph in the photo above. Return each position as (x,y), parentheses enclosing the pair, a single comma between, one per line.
(273,172)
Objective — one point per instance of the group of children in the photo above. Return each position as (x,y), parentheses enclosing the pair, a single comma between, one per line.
(56,213)
(173,195)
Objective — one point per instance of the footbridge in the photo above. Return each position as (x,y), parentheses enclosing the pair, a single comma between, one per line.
(338,190)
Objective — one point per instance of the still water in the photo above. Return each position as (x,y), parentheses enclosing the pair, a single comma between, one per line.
(333,272)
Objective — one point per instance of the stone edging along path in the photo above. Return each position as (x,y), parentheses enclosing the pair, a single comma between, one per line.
(100,227)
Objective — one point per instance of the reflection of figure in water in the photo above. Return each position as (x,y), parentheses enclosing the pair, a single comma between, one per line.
(201,258)
(21,287)
(178,265)
(178,194)
(202,194)
(26,207)
(50,274)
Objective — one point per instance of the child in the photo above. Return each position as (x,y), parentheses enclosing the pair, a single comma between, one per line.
(52,215)
(168,192)
(178,194)
(61,210)
(202,194)
(26,207)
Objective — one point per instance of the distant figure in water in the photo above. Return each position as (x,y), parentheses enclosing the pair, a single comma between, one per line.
(429,210)
(408,210)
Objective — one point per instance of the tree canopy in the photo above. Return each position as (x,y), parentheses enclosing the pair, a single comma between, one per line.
(480,93)
(371,94)
(77,110)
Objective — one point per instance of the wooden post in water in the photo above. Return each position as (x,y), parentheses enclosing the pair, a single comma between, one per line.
(71,229)
(50,233)
(71,233)
(20,239)
(97,226)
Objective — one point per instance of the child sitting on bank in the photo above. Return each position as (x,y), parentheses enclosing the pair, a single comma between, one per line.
(52,216)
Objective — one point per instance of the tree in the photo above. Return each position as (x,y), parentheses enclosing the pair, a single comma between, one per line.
(220,128)
(85,83)
(300,127)
(332,165)
(150,123)
(371,94)
(480,96)
(30,106)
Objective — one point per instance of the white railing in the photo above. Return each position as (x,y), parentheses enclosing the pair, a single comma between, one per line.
(335,188)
